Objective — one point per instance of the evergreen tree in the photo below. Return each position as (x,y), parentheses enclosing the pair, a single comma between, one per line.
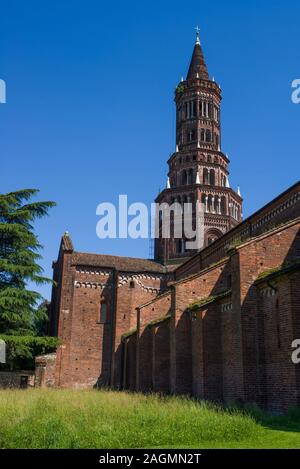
(19,255)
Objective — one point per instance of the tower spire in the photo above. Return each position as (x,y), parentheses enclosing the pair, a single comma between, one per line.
(197,67)
(197,35)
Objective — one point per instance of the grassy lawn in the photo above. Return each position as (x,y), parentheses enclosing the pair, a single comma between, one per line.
(104,419)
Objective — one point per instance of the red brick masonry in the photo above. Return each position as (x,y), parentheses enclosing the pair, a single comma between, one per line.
(219,327)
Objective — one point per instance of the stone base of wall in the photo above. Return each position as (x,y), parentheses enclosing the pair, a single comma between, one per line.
(17,379)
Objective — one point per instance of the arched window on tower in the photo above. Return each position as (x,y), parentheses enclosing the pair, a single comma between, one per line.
(205,176)
(183,177)
(223,205)
(193,109)
(202,135)
(217,139)
(200,109)
(191,135)
(191,176)
(210,204)
(223,180)
(208,135)
(212,177)
(206,109)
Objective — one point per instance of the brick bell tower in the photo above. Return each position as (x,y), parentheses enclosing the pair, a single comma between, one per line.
(198,170)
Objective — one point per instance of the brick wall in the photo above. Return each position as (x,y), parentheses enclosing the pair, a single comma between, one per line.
(45,370)
(219,352)
(282,209)
(265,252)
(226,349)
(161,357)
(151,311)
(92,350)
(208,283)
(129,364)
(129,296)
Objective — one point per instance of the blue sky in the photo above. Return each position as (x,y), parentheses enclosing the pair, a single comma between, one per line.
(90,110)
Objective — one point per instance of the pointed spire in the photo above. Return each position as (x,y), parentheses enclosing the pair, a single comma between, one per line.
(197,35)
(197,67)
(168,183)
(177,149)
(197,178)
(239,191)
(227,182)
(66,242)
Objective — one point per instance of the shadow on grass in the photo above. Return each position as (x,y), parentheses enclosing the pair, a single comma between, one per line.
(289,422)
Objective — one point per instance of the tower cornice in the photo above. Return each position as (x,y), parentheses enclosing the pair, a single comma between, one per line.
(203,189)
(190,151)
(184,88)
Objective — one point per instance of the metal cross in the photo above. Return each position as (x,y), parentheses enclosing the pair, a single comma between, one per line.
(197,30)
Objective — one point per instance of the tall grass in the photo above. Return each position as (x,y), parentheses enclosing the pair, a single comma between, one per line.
(44,418)
(105,419)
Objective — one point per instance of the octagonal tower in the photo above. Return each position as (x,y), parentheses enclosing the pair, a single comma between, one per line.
(198,170)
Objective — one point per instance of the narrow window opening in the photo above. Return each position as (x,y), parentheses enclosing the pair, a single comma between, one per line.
(103,313)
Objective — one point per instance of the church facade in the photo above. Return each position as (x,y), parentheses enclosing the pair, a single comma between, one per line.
(217,322)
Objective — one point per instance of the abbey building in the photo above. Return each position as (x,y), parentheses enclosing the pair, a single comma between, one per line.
(216,322)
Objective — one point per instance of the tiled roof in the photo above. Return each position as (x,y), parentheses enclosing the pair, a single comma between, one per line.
(125,264)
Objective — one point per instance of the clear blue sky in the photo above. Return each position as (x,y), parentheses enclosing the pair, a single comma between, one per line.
(90,111)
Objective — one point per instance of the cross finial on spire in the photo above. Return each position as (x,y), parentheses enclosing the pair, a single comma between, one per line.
(197,34)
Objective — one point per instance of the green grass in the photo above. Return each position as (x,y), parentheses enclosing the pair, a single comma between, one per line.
(47,418)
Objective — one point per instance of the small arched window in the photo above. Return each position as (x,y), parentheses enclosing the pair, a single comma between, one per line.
(205,176)
(103,312)
(131,284)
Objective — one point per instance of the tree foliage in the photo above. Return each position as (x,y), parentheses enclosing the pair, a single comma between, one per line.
(23,314)
(21,350)
(19,256)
